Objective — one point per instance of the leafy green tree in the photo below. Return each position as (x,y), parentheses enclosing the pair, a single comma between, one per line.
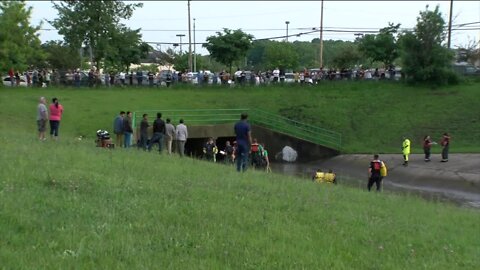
(281,55)
(95,24)
(424,58)
(60,56)
(180,62)
(229,46)
(382,47)
(19,42)
(255,54)
(125,48)
(347,57)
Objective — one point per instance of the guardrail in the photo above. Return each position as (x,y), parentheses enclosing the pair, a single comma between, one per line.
(265,119)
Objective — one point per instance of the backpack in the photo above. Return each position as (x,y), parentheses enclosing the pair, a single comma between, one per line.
(377,165)
(254,148)
(383,170)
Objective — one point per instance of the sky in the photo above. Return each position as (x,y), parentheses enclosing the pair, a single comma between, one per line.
(162,21)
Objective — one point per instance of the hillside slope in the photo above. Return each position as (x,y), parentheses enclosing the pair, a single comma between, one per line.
(68,204)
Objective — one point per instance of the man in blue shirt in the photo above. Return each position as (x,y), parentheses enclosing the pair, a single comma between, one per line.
(244,139)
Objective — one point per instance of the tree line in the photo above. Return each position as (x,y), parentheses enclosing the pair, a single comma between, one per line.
(94,35)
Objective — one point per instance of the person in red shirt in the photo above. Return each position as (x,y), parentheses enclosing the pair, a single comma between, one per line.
(11,74)
(56,111)
(445,143)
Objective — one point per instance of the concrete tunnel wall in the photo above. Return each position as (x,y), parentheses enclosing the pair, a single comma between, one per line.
(274,141)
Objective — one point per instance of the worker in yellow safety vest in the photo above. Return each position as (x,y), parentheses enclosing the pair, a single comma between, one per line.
(405,150)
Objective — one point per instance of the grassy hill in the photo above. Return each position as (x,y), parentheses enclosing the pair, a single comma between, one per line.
(371,116)
(70,205)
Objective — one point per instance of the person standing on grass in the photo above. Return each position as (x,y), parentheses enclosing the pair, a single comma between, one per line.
(405,150)
(144,131)
(181,135)
(170,134)
(445,143)
(128,130)
(243,139)
(427,145)
(42,117)
(158,133)
(374,175)
(118,128)
(56,111)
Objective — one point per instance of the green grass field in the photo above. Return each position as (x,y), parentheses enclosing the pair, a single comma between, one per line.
(371,116)
(70,205)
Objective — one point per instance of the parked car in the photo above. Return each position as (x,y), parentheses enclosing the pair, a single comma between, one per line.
(466,69)
(23,81)
(289,77)
(192,77)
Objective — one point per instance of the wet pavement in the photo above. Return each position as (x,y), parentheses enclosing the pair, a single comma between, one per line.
(457,180)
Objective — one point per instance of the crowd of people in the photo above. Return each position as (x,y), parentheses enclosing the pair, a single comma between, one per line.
(93,77)
(164,134)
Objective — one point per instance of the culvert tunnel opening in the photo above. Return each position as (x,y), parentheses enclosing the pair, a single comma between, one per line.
(194,146)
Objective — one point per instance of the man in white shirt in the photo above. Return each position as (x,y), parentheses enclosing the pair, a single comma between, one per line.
(122,77)
(181,136)
(276,74)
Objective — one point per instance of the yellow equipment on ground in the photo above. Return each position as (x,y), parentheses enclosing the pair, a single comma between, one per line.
(321,177)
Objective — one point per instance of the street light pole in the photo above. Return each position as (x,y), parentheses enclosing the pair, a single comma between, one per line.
(194,49)
(180,36)
(321,37)
(287,23)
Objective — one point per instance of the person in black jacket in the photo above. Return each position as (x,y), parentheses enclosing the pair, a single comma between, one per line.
(158,133)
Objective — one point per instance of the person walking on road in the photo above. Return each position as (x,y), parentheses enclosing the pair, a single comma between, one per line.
(405,150)
(181,135)
(243,139)
(374,176)
(445,143)
(427,144)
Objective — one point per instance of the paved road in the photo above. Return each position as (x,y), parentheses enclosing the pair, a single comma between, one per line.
(457,180)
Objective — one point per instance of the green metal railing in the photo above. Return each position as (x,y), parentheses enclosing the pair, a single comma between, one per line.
(268,120)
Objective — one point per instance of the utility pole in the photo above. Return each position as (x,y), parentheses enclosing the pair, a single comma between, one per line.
(450,25)
(321,37)
(189,40)
(287,23)
(194,49)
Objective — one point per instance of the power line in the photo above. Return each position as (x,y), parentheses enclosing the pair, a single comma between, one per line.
(331,28)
